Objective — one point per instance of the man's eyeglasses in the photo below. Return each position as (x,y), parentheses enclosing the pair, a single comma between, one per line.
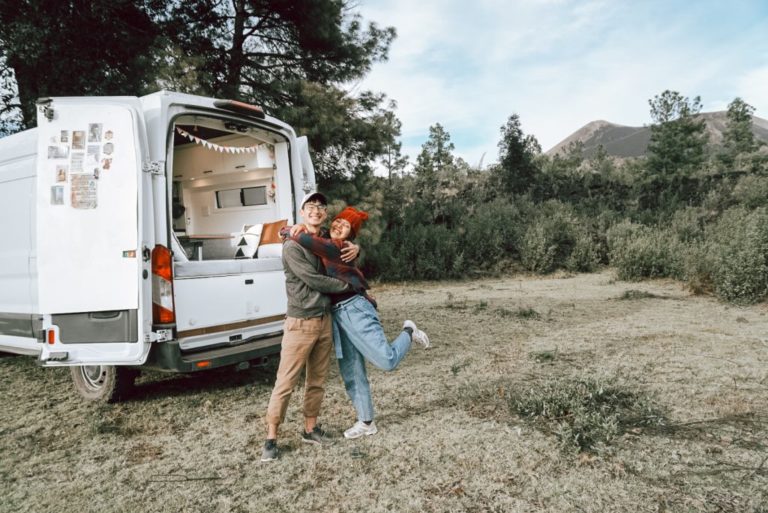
(309,207)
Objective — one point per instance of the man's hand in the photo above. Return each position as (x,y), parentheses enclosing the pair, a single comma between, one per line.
(297,229)
(349,252)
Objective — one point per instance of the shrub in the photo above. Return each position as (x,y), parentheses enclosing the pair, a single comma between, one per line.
(426,252)
(491,233)
(557,237)
(583,414)
(751,191)
(585,256)
(638,252)
(737,250)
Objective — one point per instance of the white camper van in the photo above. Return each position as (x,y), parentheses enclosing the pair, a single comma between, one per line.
(139,232)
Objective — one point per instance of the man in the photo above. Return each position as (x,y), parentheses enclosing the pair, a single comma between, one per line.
(307,339)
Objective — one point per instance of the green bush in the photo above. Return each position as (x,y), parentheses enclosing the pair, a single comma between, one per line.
(491,233)
(751,191)
(585,414)
(425,252)
(737,250)
(557,237)
(638,251)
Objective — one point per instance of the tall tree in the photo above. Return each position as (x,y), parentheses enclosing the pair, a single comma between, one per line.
(77,47)
(739,137)
(676,150)
(10,108)
(393,160)
(678,135)
(435,156)
(297,59)
(517,170)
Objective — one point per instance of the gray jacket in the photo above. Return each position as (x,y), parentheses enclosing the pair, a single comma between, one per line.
(306,284)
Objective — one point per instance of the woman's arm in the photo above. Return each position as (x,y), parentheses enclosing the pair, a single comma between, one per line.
(323,248)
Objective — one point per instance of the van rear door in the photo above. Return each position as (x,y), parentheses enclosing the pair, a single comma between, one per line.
(89,249)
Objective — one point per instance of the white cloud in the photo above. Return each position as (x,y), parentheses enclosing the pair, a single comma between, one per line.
(557,63)
(753,89)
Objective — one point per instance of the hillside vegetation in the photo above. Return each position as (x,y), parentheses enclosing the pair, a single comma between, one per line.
(690,210)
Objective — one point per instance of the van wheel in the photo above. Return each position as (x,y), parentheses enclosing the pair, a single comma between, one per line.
(103,383)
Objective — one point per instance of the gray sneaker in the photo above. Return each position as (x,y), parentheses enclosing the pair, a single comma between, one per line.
(317,437)
(417,336)
(269,452)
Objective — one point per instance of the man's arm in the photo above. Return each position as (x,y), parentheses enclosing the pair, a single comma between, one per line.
(305,271)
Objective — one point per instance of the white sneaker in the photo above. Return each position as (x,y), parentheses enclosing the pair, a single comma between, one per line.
(361,429)
(418,335)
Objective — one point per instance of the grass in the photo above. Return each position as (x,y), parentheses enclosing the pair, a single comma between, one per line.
(495,417)
(520,313)
(584,414)
(633,295)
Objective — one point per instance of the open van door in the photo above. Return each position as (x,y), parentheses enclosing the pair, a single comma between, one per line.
(89,254)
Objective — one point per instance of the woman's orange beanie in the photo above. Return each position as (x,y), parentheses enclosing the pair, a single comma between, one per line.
(354,217)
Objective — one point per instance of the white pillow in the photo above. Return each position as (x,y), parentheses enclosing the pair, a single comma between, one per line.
(247,241)
(179,255)
(270,251)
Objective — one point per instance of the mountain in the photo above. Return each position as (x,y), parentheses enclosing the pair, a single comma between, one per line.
(631,141)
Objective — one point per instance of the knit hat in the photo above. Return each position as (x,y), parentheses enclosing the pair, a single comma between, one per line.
(354,217)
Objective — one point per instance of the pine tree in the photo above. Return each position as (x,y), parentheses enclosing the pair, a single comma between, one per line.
(517,169)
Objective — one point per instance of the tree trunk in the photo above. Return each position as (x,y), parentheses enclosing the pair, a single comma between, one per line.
(236,53)
(28,91)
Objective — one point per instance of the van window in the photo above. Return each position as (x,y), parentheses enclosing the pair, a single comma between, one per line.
(243,197)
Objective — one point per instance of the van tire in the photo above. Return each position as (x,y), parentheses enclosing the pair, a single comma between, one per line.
(103,383)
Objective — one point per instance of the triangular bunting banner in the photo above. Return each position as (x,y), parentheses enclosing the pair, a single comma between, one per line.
(222,149)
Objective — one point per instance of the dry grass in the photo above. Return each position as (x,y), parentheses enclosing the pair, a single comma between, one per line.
(448,439)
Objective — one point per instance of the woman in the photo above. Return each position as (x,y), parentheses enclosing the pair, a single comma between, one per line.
(357,331)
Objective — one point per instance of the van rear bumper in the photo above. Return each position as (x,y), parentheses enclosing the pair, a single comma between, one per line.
(168,356)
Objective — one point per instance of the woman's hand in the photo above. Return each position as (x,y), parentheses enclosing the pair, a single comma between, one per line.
(297,229)
(349,252)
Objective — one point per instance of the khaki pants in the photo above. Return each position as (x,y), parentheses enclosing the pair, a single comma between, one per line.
(306,343)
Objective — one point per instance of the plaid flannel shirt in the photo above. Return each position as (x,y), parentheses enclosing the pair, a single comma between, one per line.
(329,252)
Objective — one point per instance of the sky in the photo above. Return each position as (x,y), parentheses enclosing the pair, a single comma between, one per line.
(560,64)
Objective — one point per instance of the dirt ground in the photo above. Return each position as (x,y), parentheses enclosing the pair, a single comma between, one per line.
(446,441)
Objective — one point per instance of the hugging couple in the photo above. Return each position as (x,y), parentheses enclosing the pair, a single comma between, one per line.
(328,307)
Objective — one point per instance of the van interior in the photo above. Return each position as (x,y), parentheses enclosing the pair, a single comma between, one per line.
(226,179)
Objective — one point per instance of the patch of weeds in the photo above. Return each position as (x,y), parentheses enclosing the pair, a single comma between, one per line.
(481,306)
(548,356)
(632,294)
(527,313)
(458,367)
(742,320)
(452,304)
(520,313)
(111,420)
(583,414)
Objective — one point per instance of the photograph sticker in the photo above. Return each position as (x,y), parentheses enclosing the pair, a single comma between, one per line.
(78,140)
(83,193)
(61,173)
(57,195)
(58,151)
(92,157)
(94,132)
(64,137)
(109,148)
(76,164)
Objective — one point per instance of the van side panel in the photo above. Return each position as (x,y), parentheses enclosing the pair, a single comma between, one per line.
(17,223)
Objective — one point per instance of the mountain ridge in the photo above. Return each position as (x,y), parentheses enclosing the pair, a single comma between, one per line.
(628,141)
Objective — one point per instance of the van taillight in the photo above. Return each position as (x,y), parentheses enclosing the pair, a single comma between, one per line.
(163,309)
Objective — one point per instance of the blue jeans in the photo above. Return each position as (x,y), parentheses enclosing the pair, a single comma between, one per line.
(359,336)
